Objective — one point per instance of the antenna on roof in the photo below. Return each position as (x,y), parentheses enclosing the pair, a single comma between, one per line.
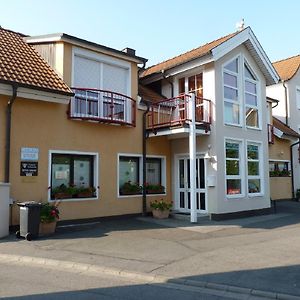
(240,25)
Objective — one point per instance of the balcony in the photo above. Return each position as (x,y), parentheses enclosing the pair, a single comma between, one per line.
(102,106)
(270,134)
(174,113)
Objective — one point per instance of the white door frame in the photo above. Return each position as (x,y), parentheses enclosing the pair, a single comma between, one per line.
(176,181)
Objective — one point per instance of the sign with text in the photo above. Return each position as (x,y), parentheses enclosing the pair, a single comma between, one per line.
(29,168)
(29,154)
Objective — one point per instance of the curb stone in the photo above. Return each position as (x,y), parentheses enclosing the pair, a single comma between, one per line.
(149,278)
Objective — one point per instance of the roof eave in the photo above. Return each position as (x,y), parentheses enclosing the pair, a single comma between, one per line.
(39,88)
(63,37)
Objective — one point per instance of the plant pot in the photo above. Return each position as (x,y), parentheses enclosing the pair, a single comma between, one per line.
(160,214)
(155,191)
(47,228)
(85,195)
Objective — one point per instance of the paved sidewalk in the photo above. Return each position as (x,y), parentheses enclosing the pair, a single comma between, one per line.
(254,254)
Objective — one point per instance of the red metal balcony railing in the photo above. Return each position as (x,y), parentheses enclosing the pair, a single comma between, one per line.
(102,106)
(175,112)
(270,134)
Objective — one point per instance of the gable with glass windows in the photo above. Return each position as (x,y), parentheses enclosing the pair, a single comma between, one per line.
(240,94)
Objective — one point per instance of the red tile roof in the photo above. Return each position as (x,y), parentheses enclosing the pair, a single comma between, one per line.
(284,128)
(21,64)
(148,94)
(185,57)
(288,67)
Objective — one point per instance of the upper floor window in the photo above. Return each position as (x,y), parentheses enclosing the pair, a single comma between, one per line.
(193,83)
(298,97)
(240,92)
(231,93)
(251,103)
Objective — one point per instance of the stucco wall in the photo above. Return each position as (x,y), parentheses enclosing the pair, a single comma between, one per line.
(46,126)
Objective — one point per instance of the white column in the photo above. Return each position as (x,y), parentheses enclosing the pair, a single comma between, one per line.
(4,209)
(192,152)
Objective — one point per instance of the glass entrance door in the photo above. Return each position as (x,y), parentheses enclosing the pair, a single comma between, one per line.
(183,201)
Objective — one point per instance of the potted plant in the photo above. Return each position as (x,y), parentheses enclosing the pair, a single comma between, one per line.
(86,192)
(161,209)
(154,188)
(129,188)
(48,217)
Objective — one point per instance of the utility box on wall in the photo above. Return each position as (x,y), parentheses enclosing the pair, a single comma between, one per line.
(211,180)
(4,209)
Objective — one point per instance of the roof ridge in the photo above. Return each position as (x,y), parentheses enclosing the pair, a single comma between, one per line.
(15,32)
(176,56)
(281,60)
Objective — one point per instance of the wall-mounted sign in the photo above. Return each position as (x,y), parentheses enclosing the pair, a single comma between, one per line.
(29,154)
(29,168)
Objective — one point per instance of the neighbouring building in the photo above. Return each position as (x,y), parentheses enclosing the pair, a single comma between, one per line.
(287,91)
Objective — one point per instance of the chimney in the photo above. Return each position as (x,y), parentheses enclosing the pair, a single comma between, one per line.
(129,51)
(240,25)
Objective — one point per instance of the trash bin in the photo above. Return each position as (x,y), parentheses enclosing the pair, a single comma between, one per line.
(29,220)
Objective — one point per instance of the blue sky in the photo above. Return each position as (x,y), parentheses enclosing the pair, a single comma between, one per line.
(159,29)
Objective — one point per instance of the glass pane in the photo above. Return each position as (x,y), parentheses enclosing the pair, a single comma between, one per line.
(60,170)
(253,168)
(254,186)
(232,114)
(252,117)
(251,99)
(197,201)
(197,174)
(191,83)
(128,170)
(252,152)
(250,87)
(248,73)
(181,83)
(233,186)
(202,179)
(181,201)
(232,150)
(199,85)
(232,66)
(202,201)
(230,80)
(230,93)
(189,200)
(232,167)
(82,172)
(181,173)
(153,171)
(188,173)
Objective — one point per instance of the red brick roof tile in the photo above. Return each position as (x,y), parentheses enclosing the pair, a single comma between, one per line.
(21,64)
(187,56)
(288,67)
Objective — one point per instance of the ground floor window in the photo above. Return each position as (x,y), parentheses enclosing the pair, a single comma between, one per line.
(72,175)
(233,167)
(280,168)
(254,169)
(131,177)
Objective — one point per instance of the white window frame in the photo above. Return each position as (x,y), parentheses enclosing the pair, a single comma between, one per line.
(282,161)
(241,176)
(298,96)
(256,82)
(163,173)
(261,170)
(241,92)
(102,59)
(238,102)
(96,173)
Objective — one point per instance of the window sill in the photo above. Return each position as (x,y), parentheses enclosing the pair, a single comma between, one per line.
(235,196)
(254,128)
(233,125)
(73,199)
(253,195)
